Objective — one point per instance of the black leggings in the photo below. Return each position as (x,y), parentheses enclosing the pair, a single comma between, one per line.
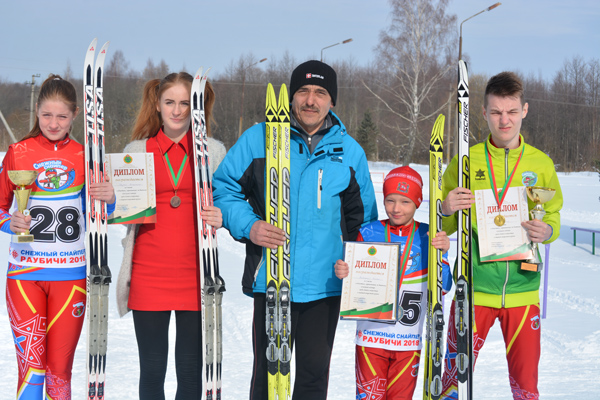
(152,334)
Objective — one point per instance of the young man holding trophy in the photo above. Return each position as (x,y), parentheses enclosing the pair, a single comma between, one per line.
(505,171)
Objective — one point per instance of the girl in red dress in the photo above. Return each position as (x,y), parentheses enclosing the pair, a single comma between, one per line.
(161,271)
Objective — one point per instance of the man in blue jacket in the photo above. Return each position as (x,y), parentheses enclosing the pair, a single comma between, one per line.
(332,196)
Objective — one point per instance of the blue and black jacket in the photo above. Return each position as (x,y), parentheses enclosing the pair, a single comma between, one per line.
(332,196)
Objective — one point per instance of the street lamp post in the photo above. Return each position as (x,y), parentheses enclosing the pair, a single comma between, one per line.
(490,8)
(344,42)
(242,100)
(31,109)
(460,57)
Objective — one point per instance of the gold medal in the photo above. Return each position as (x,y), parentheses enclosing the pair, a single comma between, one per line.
(175,201)
(499,220)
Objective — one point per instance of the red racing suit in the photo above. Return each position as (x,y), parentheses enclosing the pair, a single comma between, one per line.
(502,290)
(45,290)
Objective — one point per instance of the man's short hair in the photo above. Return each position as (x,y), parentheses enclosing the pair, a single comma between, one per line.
(505,84)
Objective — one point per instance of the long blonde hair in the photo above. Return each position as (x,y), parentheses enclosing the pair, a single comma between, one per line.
(149,120)
(54,88)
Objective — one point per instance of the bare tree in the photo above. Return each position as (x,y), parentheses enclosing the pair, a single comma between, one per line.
(68,72)
(155,71)
(415,51)
(592,80)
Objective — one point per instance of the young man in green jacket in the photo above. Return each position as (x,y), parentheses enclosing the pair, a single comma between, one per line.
(503,290)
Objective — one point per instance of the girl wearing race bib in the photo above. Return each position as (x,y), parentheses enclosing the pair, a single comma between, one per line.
(45,289)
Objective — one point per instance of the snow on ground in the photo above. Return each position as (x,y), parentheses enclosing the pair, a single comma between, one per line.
(569,365)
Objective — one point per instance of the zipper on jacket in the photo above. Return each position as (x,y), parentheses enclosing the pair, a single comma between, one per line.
(319,188)
(506,151)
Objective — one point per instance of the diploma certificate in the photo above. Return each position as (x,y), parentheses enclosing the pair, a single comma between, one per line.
(132,176)
(370,291)
(509,240)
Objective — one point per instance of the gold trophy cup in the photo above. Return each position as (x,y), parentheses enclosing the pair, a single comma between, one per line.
(22,178)
(539,195)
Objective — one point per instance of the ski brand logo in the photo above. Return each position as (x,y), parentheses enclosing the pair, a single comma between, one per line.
(529,178)
(480,175)
(336,159)
(309,76)
(78,309)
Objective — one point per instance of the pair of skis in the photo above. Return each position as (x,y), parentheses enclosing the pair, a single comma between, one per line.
(432,385)
(278,314)
(98,273)
(464,314)
(211,283)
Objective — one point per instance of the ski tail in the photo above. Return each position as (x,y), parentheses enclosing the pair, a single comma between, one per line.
(432,384)
(272,198)
(98,273)
(283,255)
(464,282)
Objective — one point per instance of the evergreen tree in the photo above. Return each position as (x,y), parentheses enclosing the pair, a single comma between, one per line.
(367,136)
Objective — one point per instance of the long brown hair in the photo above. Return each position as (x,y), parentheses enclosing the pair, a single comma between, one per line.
(54,88)
(149,120)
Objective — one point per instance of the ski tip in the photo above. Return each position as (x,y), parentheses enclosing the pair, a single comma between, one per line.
(437,135)
(104,47)
(271,99)
(92,46)
(440,120)
(283,95)
(205,76)
(198,74)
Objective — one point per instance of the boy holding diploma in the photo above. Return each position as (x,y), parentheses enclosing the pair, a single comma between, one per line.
(387,355)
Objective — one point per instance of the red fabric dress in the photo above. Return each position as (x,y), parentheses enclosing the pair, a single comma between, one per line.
(165,271)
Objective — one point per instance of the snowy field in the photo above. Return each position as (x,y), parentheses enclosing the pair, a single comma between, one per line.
(569,366)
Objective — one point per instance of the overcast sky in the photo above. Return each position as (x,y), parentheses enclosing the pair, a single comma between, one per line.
(531,36)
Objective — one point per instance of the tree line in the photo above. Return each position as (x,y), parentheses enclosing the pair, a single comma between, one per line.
(389,106)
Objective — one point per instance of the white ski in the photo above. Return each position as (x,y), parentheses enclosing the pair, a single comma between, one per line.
(98,273)
(211,283)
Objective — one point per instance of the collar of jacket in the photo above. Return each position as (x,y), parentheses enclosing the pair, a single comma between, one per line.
(497,152)
(331,121)
(52,144)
